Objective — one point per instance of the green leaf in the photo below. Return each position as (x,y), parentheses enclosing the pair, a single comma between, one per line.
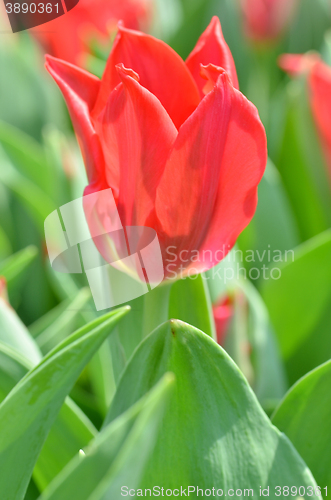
(14,333)
(297,300)
(70,432)
(62,325)
(270,382)
(27,155)
(256,353)
(300,157)
(315,348)
(111,460)
(46,321)
(14,267)
(38,204)
(190,302)
(214,432)
(156,307)
(27,100)
(102,368)
(130,333)
(304,416)
(314,15)
(29,411)
(32,492)
(5,244)
(273,229)
(13,367)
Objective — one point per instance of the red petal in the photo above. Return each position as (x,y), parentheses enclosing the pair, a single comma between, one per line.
(297,64)
(223,313)
(243,163)
(211,74)
(211,49)
(208,192)
(80,90)
(137,135)
(160,69)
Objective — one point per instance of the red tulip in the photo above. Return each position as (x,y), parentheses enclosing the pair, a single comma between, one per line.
(67,36)
(223,312)
(265,20)
(319,89)
(182,149)
(3,290)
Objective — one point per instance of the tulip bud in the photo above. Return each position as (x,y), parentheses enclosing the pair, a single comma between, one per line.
(266,20)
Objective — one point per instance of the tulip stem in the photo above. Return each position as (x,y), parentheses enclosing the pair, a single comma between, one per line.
(156,307)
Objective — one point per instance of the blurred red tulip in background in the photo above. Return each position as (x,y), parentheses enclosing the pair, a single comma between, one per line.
(67,37)
(182,149)
(223,312)
(319,88)
(266,20)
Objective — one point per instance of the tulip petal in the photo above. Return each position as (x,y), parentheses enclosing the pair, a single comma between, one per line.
(211,48)
(137,136)
(297,64)
(80,91)
(160,69)
(208,192)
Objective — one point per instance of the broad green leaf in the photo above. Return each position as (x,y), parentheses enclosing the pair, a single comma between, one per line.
(297,300)
(118,455)
(190,302)
(13,268)
(14,333)
(304,416)
(214,431)
(70,432)
(29,411)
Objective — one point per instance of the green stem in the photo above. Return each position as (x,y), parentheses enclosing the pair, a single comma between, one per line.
(156,307)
